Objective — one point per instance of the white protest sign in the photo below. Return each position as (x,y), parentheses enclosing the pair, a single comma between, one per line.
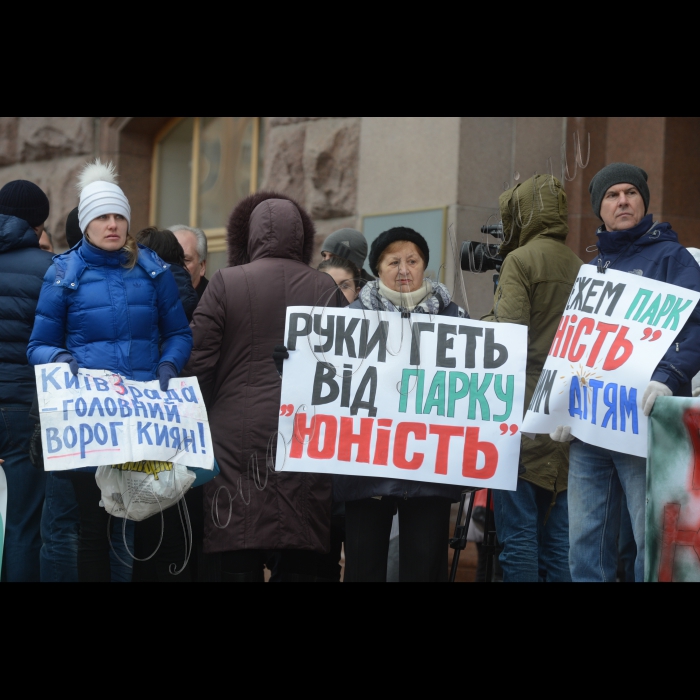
(426,398)
(3,513)
(100,419)
(616,329)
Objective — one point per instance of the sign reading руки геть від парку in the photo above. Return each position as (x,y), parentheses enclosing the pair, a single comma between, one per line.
(425,398)
(98,419)
(615,331)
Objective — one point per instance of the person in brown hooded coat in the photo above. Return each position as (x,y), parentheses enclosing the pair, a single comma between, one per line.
(237,326)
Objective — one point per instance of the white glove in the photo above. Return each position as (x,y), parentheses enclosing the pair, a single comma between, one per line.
(654,391)
(696,394)
(562,434)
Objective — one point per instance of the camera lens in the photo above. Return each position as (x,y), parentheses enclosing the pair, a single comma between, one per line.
(479,257)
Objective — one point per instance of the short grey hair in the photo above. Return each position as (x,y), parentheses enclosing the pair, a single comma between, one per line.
(202,243)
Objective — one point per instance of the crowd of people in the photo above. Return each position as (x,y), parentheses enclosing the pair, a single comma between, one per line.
(140,305)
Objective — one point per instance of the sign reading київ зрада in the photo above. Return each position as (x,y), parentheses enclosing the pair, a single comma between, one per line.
(615,331)
(100,419)
(426,398)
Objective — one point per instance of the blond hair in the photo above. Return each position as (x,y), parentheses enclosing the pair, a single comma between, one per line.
(131,248)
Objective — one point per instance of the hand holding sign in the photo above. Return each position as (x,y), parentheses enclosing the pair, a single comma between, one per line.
(425,399)
(614,333)
(97,418)
(654,391)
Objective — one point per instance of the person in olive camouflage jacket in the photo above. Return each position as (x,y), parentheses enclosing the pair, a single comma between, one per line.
(537,277)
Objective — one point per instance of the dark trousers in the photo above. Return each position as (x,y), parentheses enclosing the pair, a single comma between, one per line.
(424,540)
(25,497)
(60,534)
(94,548)
(289,566)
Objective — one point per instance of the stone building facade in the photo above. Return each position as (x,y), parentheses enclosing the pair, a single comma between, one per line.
(346,170)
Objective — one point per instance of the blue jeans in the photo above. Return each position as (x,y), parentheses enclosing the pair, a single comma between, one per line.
(25,497)
(535,546)
(60,530)
(627,547)
(597,482)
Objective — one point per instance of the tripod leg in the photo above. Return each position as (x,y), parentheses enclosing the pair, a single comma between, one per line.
(459,543)
(489,539)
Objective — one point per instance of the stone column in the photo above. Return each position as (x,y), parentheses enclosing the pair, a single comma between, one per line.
(315,161)
(49,151)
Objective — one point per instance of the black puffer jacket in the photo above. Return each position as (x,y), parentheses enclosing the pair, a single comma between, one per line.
(188,296)
(22,268)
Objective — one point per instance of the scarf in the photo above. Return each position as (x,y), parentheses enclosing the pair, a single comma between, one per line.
(431,299)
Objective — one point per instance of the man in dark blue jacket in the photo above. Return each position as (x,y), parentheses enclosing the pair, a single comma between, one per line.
(630,241)
(23,210)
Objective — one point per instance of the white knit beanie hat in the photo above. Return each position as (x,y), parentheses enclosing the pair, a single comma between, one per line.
(100,194)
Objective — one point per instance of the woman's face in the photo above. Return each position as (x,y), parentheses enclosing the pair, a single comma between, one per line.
(402,267)
(108,232)
(344,280)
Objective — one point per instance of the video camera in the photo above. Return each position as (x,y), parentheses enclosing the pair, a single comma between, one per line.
(483,257)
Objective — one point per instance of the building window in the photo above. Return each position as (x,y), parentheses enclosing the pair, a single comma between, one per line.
(203,167)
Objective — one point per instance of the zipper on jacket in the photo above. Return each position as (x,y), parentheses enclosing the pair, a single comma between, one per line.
(602,269)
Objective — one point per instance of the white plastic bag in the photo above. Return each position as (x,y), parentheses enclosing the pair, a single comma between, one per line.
(140,491)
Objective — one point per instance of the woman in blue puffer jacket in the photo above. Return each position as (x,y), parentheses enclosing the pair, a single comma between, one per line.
(110,304)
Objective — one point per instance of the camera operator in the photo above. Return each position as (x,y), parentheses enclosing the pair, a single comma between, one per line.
(537,277)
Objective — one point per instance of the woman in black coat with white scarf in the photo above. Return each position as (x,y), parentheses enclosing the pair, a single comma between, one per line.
(399,258)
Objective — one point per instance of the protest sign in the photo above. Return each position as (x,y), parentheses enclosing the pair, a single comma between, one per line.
(3,513)
(100,419)
(425,398)
(616,329)
(673,492)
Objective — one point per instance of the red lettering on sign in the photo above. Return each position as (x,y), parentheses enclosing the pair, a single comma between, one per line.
(569,335)
(302,434)
(348,439)
(620,352)
(586,326)
(310,436)
(403,430)
(673,536)
(604,329)
(330,435)
(472,448)
(445,434)
(559,337)
(381,454)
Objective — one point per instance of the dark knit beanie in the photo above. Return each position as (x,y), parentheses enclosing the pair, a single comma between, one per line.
(26,201)
(394,236)
(618,174)
(348,244)
(73,233)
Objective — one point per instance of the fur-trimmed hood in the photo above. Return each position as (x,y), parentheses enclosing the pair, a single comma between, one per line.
(239,248)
